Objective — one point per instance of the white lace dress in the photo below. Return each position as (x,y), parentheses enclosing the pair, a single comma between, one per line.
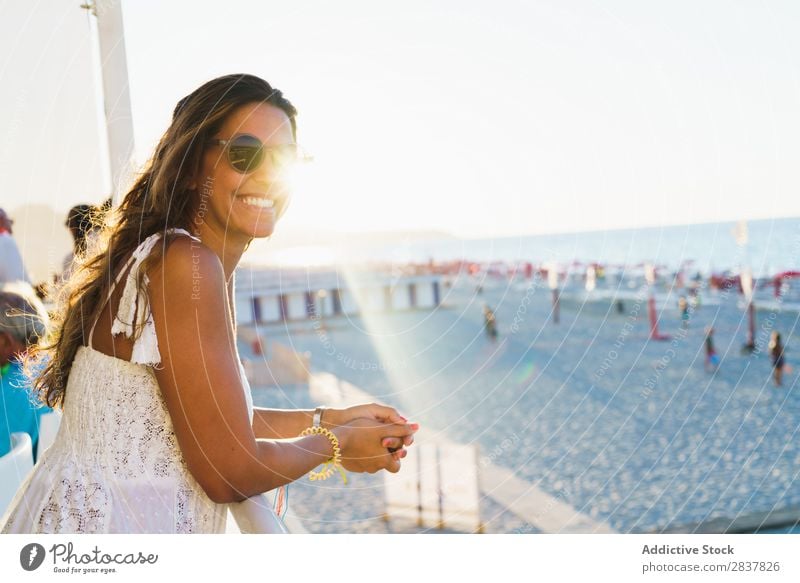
(115,466)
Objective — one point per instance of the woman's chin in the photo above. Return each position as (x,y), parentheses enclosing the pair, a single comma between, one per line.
(262,230)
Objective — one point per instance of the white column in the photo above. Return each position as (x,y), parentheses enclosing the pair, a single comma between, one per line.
(116,94)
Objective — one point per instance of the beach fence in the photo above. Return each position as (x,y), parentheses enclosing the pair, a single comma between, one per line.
(438,488)
(266,296)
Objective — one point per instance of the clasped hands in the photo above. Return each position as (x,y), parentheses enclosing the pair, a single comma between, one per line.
(372,437)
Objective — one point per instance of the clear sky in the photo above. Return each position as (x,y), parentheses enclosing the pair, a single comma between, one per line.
(475,118)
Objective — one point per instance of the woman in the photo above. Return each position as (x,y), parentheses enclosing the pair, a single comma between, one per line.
(159,433)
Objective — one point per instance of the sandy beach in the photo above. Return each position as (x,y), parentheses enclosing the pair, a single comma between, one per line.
(629,431)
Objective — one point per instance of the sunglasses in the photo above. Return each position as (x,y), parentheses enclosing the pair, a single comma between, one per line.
(246,153)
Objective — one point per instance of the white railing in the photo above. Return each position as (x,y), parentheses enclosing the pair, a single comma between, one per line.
(14,467)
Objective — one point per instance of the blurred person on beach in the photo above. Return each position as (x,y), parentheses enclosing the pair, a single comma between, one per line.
(683,307)
(11,265)
(777,355)
(712,358)
(159,433)
(23,321)
(489,322)
(83,225)
(694,297)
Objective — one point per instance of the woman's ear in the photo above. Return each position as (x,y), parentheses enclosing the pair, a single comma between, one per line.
(194,179)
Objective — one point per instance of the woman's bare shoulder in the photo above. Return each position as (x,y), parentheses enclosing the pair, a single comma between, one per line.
(187,269)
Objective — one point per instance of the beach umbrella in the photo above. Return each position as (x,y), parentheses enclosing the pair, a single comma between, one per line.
(746,280)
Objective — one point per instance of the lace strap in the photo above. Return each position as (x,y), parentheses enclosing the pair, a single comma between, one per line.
(108,296)
(134,313)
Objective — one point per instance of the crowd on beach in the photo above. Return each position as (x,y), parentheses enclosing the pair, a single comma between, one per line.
(686,307)
(24,318)
(775,348)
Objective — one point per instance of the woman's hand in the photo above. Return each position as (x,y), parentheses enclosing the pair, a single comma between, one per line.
(361,441)
(334,417)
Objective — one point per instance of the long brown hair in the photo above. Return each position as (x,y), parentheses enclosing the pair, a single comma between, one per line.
(160,199)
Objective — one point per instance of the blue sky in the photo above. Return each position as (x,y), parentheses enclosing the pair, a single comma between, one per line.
(473,118)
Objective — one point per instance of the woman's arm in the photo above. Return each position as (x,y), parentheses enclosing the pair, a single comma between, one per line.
(199,379)
(284,423)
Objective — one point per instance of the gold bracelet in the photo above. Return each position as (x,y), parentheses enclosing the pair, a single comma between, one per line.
(332,463)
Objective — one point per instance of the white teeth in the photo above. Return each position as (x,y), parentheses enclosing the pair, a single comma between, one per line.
(263,203)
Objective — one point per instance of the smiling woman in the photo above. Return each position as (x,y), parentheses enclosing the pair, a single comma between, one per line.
(248,170)
(159,431)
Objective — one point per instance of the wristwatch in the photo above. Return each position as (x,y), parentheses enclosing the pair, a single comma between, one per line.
(318,416)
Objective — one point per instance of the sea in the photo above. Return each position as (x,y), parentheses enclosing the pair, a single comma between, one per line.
(768,246)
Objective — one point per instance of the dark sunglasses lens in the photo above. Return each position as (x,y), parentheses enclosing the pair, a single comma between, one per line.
(245,153)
